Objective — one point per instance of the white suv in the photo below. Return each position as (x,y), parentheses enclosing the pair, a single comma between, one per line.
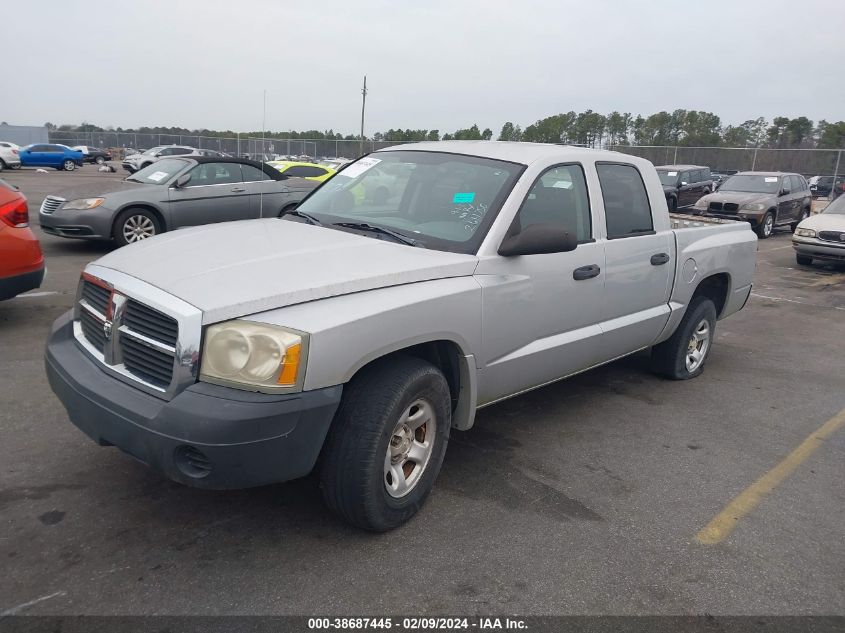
(10,157)
(135,162)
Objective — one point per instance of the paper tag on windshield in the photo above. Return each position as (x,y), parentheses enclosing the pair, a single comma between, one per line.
(156,176)
(771,179)
(358,168)
(672,173)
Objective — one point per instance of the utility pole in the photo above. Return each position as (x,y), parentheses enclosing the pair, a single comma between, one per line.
(363,105)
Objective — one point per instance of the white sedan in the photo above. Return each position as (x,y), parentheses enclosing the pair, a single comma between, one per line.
(10,157)
(822,236)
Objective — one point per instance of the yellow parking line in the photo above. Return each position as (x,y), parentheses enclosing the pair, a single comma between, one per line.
(724,523)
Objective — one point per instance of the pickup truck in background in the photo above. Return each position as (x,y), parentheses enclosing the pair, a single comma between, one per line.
(354,334)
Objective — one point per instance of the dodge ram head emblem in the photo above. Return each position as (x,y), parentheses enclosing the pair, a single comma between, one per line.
(107,330)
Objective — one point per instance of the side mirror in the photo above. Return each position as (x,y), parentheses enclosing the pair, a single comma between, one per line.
(182,180)
(537,239)
(684,183)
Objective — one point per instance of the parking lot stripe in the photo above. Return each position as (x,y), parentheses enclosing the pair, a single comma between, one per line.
(724,523)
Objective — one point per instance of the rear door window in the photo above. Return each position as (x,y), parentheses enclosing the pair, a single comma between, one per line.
(626,207)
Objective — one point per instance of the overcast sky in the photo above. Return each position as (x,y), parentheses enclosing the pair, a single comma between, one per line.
(441,64)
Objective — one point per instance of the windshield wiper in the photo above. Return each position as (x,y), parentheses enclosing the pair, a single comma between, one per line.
(363,226)
(305,216)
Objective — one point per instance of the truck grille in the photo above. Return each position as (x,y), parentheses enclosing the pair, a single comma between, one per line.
(832,236)
(730,206)
(51,203)
(129,333)
(715,206)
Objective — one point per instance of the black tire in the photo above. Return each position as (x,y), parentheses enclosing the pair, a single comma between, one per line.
(119,228)
(673,204)
(352,473)
(804,215)
(100,160)
(766,227)
(68,165)
(804,260)
(2,165)
(669,358)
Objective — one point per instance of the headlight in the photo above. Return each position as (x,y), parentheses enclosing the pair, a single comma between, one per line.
(83,203)
(805,232)
(254,356)
(753,206)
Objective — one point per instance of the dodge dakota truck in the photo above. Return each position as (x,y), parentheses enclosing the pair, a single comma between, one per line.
(351,335)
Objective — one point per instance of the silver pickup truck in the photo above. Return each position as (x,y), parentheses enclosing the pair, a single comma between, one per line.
(353,334)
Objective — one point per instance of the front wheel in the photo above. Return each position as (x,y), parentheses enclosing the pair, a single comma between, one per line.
(673,205)
(134,225)
(99,160)
(682,355)
(803,260)
(68,165)
(804,215)
(387,443)
(2,165)
(766,227)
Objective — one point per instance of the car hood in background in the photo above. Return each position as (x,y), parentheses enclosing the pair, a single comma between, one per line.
(740,197)
(824,222)
(100,189)
(234,269)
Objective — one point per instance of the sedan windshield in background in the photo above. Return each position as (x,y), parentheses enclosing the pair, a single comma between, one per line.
(837,207)
(669,178)
(752,184)
(442,201)
(159,172)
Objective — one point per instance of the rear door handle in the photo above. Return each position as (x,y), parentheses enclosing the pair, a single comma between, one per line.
(659,259)
(586,272)
(238,189)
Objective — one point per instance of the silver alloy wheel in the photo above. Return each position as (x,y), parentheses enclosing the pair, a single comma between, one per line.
(69,165)
(409,449)
(768,224)
(698,346)
(137,228)
(99,160)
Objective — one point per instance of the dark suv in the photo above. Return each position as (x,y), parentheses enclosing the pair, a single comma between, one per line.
(684,184)
(765,199)
(824,187)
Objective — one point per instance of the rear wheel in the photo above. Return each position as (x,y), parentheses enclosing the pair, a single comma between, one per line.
(803,260)
(673,204)
(2,165)
(387,443)
(766,226)
(682,355)
(804,215)
(134,225)
(68,165)
(99,160)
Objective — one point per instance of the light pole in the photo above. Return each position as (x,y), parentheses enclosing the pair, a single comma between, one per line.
(363,105)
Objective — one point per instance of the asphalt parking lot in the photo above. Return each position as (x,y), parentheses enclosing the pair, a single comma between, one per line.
(584,497)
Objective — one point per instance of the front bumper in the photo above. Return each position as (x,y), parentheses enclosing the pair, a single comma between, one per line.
(207,436)
(743,216)
(819,249)
(94,224)
(17,284)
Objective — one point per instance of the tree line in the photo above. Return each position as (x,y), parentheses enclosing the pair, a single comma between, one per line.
(690,128)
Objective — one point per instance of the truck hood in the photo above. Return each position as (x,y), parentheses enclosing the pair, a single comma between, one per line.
(740,197)
(100,189)
(233,269)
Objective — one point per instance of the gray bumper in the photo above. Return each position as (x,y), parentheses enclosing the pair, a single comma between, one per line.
(95,224)
(819,249)
(207,436)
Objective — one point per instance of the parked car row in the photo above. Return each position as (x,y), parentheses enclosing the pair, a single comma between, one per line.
(134,162)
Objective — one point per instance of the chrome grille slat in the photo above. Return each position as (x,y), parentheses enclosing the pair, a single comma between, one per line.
(51,203)
(96,296)
(831,236)
(154,367)
(151,323)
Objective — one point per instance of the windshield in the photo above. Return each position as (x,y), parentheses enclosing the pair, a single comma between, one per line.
(442,201)
(160,172)
(752,184)
(668,177)
(837,207)
(153,150)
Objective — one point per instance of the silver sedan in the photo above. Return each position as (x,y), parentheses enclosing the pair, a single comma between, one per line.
(172,193)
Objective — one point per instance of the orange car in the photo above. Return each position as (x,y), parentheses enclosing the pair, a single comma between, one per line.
(21,259)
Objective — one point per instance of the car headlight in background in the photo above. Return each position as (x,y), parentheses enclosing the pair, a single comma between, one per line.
(83,203)
(254,356)
(753,206)
(805,232)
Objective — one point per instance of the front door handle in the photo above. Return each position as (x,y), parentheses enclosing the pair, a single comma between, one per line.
(659,259)
(238,189)
(586,272)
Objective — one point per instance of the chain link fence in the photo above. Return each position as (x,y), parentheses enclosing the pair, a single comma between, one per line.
(809,162)
(265,149)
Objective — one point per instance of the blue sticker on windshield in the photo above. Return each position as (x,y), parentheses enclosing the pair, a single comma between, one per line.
(463,198)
